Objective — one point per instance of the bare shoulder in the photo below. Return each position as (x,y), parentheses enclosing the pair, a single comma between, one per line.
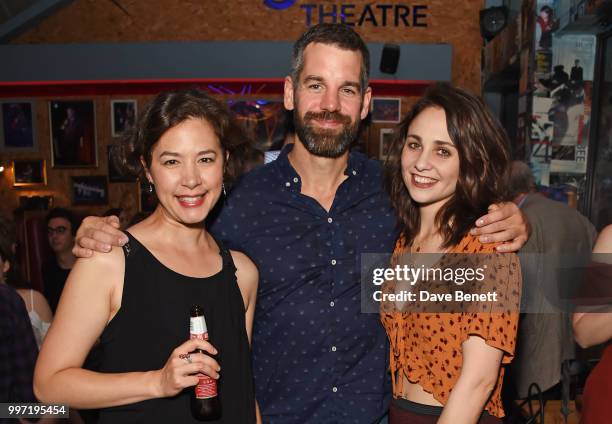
(246,273)
(38,297)
(41,306)
(604,241)
(24,292)
(100,268)
(247,277)
(244,264)
(102,259)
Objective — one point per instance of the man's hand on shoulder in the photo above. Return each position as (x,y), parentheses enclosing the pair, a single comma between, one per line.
(504,223)
(98,234)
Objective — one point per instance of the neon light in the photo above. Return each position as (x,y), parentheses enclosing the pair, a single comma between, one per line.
(279,4)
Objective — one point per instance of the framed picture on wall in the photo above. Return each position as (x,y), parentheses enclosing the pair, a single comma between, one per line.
(116,173)
(386,110)
(73,134)
(29,203)
(386,138)
(89,190)
(17,126)
(29,173)
(123,116)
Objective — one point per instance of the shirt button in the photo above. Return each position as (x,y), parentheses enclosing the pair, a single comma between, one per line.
(334,389)
(295,180)
(331,303)
(354,172)
(334,348)
(330,220)
(333,262)
(287,184)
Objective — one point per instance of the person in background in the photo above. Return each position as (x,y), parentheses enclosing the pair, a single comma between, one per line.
(558,232)
(36,304)
(449,162)
(289,138)
(593,326)
(576,74)
(124,219)
(61,229)
(18,348)
(252,158)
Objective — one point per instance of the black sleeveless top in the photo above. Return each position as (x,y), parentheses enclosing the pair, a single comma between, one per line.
(154,319)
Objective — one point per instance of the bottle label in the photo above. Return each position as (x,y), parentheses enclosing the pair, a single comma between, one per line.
(197,325)
(207,386)
(200,336)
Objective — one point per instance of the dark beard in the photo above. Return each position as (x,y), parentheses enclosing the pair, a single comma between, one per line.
(325,142)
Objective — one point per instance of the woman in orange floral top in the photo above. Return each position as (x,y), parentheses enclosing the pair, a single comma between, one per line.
(449,162)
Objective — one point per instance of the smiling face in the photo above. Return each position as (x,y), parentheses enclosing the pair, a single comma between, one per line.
(328,100)
(430,160)
(187,171)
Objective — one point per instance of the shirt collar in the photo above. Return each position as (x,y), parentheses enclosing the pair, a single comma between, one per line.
(290,177)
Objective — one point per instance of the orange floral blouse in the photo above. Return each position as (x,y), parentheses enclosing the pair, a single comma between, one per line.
(426,346)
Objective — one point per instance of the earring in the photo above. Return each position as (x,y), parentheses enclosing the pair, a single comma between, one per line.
(223,188)
(150,187)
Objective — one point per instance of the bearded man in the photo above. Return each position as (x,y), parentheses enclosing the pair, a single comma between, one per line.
(305,219)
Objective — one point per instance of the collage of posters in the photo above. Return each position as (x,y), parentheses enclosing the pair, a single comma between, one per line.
(561,108)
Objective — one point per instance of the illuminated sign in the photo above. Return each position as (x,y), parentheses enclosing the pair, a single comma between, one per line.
(370,14)
(279,4)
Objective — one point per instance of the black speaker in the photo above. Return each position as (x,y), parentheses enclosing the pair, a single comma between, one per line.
(390,58)
(492,21)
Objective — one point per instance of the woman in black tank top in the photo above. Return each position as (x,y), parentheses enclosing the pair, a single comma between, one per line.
(137,300)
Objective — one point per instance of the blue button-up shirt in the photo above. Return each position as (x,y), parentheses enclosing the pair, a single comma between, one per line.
(316,357)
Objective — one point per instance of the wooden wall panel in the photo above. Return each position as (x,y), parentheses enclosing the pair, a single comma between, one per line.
(454,22)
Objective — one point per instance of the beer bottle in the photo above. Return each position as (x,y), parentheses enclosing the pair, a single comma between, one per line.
(205,403)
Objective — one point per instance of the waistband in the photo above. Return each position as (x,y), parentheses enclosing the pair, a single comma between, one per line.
(417,408)
(422,409)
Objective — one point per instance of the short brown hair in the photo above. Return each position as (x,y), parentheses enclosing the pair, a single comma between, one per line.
(339,35)
(171,108)
(484,159)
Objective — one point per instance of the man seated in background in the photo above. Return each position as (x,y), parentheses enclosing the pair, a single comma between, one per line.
(61,229)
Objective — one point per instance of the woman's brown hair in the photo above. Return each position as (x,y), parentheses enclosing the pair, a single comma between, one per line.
(484,161)
(169,109)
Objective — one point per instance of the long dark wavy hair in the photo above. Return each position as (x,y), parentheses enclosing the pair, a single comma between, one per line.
(484,162)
